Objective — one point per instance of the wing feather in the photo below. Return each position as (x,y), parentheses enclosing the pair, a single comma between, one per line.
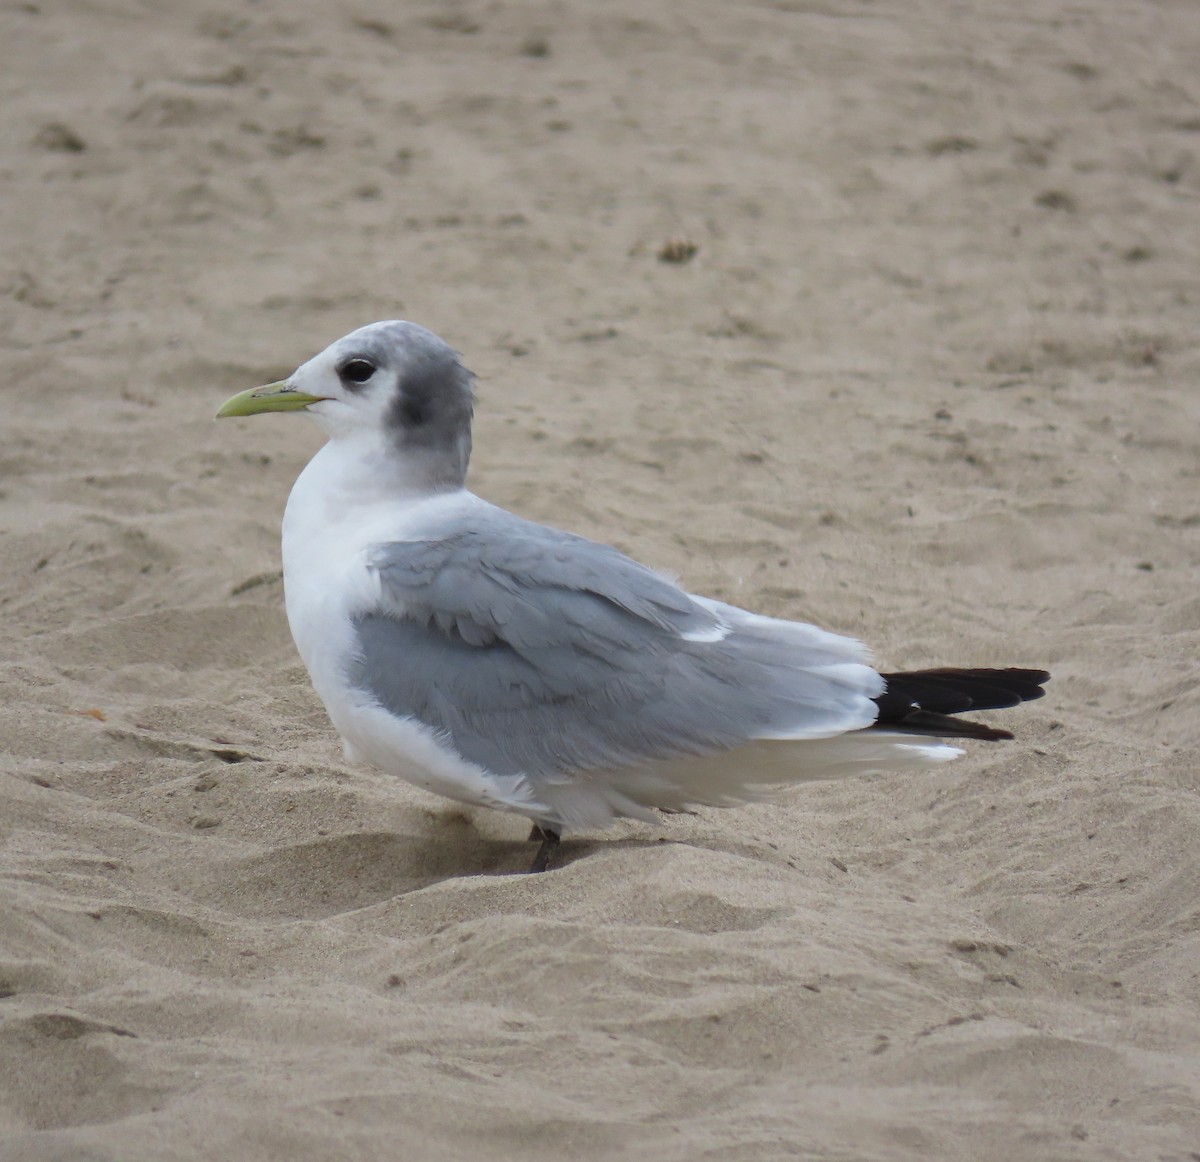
(538,652)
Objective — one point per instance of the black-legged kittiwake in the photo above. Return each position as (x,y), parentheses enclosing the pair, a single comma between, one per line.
(500,662)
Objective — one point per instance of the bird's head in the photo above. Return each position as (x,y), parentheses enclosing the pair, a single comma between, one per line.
(390,383)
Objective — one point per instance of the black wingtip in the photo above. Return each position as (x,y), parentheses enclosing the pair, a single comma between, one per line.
(921,701)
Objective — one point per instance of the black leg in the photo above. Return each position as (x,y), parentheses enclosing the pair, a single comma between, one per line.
(549,844)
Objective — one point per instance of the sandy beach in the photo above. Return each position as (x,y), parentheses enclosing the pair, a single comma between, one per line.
(929,378)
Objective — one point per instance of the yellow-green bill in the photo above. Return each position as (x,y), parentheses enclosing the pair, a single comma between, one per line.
(273,397)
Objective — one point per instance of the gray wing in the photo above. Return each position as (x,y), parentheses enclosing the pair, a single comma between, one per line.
(541,653)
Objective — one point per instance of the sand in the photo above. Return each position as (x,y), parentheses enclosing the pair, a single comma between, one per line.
(929,378)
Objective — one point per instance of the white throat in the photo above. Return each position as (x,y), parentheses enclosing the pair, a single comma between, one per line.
(351,475)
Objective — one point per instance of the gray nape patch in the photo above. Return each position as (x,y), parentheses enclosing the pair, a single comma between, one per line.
(434,402)
(430,413)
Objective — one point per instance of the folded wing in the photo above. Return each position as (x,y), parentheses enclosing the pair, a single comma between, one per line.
(537,652)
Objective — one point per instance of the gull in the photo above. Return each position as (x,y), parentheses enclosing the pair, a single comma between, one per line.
(505,664)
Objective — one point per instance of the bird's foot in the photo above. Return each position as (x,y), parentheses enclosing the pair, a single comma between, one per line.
(549,840)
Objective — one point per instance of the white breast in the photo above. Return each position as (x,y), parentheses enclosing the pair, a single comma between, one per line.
(343,502)
(337,509)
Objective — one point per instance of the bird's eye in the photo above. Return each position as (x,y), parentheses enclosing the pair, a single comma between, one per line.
(358,371)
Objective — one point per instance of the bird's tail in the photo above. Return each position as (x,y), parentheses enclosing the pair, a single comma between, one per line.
(922,701)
